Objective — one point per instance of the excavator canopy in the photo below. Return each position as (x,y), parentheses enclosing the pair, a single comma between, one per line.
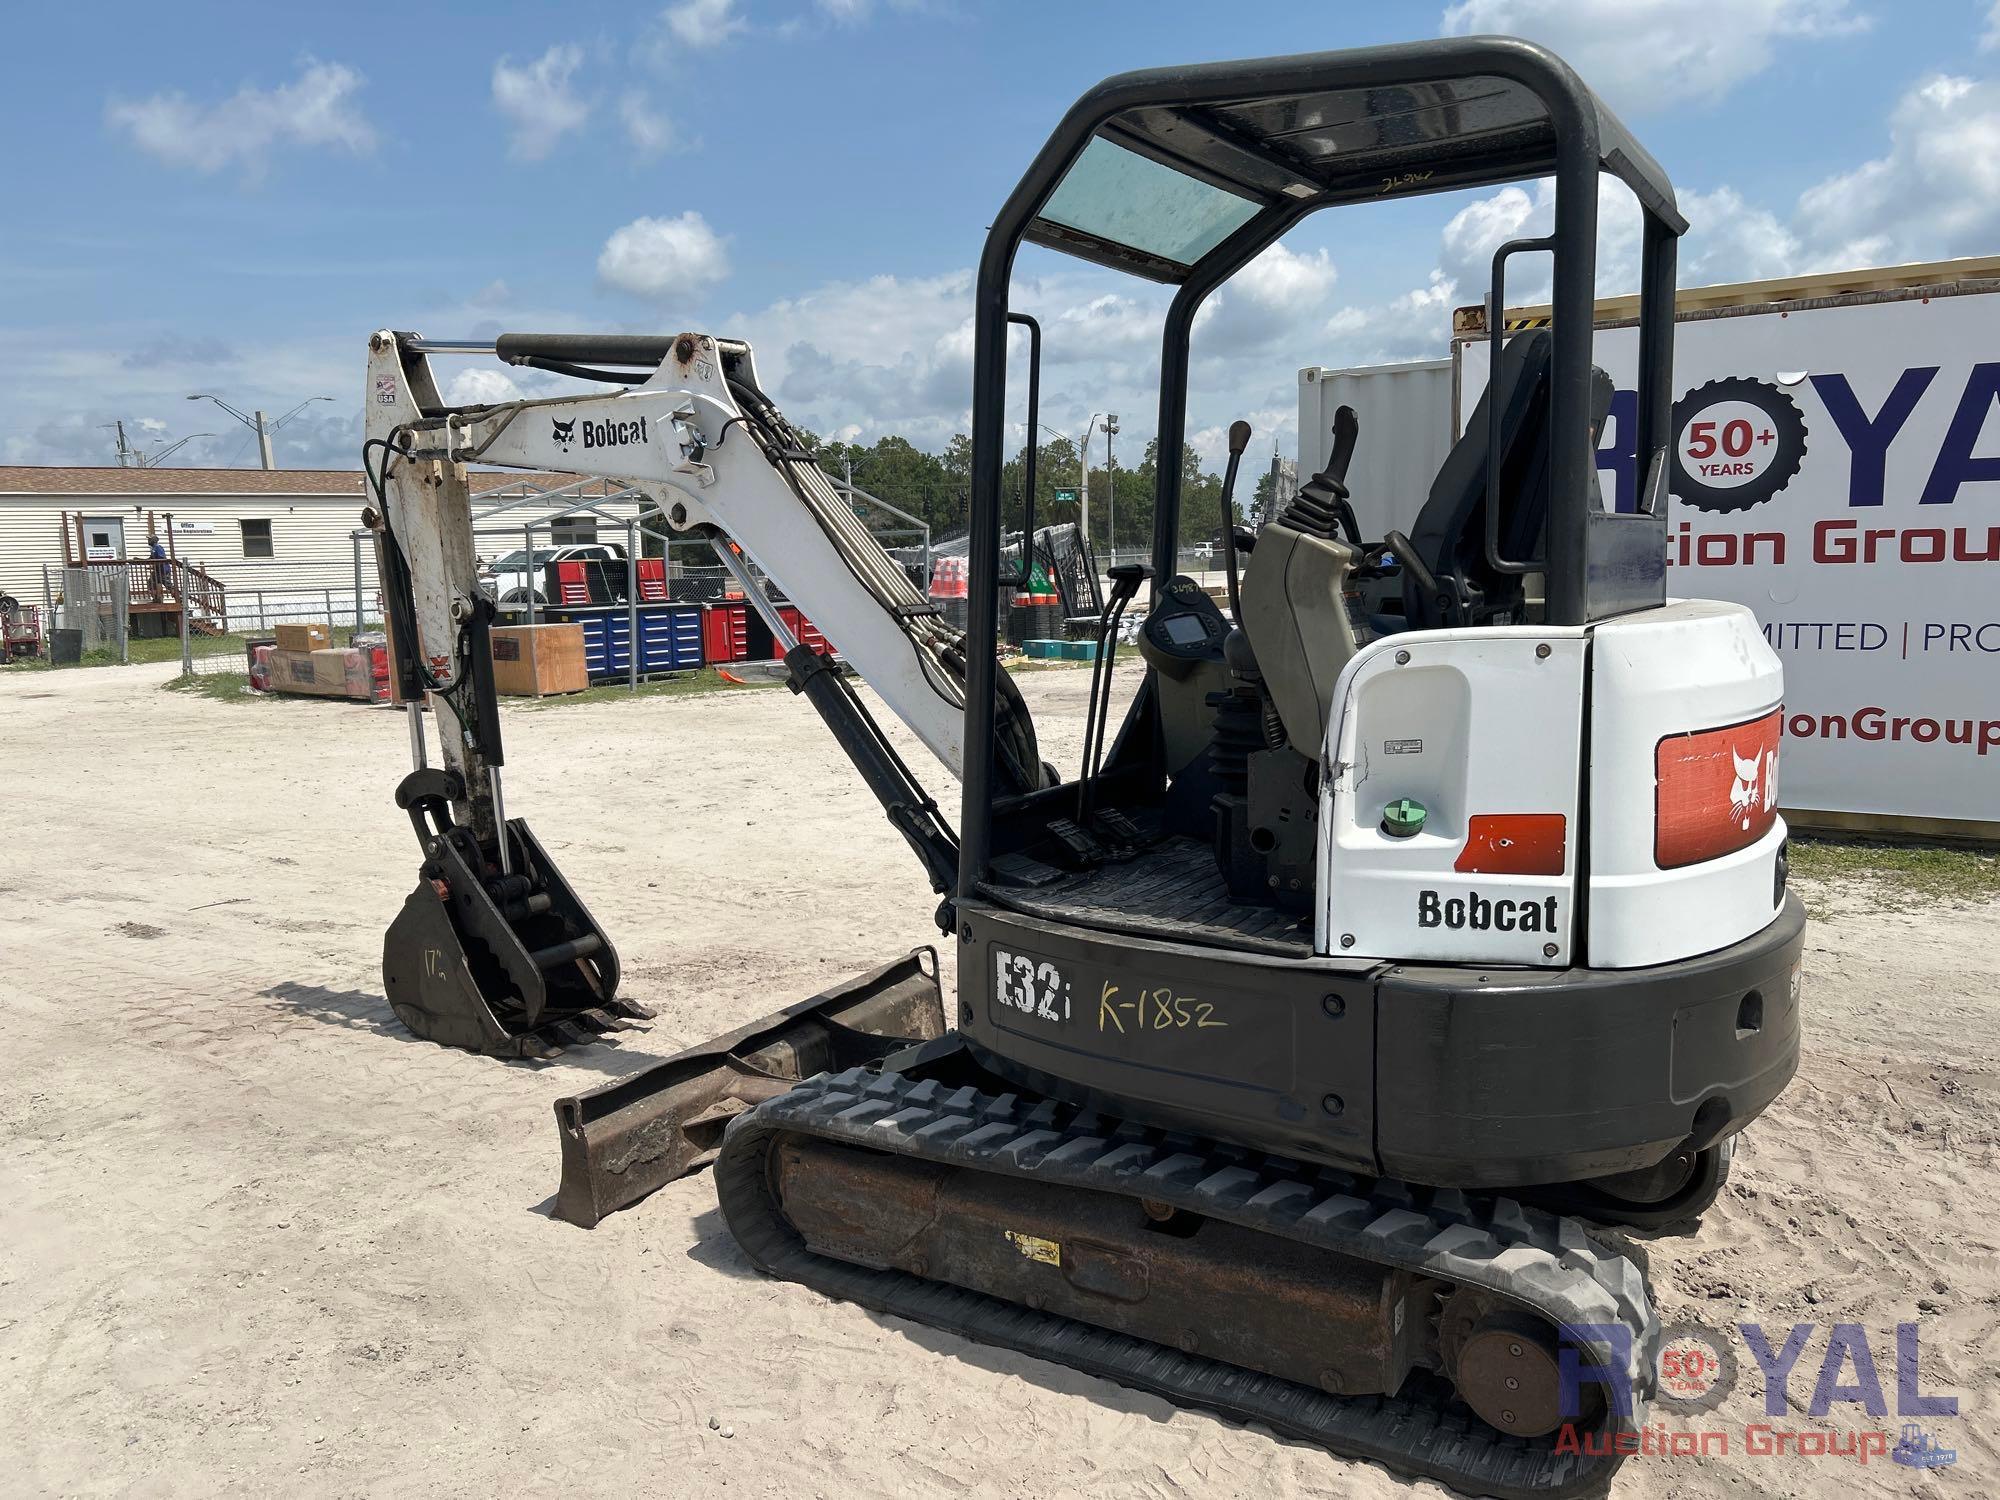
(1183,175)
(1187,157)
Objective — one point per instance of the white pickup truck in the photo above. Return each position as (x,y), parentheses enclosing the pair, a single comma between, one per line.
(515,577)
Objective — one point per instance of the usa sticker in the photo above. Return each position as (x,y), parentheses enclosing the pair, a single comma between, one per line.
(385,390)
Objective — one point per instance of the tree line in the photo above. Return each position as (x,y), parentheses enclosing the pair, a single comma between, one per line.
(937,488)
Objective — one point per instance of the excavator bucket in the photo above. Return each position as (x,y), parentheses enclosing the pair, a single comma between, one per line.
(511,965)
(623,1140)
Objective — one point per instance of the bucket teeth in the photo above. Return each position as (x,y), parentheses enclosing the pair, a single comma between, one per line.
(631,1009)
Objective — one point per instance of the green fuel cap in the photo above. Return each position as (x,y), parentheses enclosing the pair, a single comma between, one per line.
(1403,818)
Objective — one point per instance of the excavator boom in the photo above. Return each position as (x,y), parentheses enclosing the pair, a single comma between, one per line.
(494,951)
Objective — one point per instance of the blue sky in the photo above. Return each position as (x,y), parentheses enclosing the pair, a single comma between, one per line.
(230,198)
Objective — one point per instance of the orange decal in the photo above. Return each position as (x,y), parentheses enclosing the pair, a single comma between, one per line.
(1514,844)
(1715,791)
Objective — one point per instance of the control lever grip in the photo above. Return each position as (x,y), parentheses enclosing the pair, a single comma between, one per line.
(1413,564)
(1239,439)
(1346,430)
(1125,581)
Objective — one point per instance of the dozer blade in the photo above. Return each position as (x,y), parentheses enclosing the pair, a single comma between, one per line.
(623,1140)
(508,965)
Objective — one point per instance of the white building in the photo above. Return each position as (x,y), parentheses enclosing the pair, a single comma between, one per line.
(267,535)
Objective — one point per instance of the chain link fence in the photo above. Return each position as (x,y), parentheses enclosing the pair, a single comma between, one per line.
(224,644)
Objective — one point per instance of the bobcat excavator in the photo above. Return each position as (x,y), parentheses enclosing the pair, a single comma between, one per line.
(1300,1031)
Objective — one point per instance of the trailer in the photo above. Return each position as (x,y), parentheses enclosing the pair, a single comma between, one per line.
(1836,468)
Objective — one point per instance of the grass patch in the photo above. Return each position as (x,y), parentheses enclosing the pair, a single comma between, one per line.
(43,664)
(693,685)
(1901,877)
(223,687)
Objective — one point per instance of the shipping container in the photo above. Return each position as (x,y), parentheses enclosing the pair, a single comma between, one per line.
(1405,412)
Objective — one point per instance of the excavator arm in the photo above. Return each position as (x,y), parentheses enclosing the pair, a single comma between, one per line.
(493,949)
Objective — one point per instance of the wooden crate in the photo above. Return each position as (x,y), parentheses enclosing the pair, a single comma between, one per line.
(534,660)
(303,637)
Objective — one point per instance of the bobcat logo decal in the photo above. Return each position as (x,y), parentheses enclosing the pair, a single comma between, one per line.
(1755,787)
(565,432)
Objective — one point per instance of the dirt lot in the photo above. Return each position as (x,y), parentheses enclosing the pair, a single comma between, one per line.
(257,1239)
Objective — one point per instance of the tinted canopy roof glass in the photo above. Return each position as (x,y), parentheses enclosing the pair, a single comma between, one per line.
(1123,198)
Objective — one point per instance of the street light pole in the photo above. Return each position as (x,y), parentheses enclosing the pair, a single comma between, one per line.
(1083,462)
(133,458)
(153,462)
(1111,481)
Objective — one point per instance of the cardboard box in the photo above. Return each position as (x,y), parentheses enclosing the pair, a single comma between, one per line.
(336,672)
(303,637)
(533,660)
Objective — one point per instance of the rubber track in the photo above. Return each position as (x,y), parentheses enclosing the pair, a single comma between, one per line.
(1547,1264)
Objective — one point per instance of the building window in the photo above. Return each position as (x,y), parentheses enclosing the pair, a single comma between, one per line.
(571,531)
(256,538)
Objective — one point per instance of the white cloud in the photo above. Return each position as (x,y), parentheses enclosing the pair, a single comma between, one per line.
(1282,278)
(845,11)
(1646,54)
(316,109)
(478,386)
(1730,239)
(1936,193)
(1414,325)
(645,126)
(538,101)
(662,259)
(1105,324)
(1473,233)
(703,23)
(889,354)
(1279,290)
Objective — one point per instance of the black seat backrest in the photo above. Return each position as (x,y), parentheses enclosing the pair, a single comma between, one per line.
(1450,533)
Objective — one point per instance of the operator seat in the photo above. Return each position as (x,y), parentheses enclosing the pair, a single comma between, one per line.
(1450,532)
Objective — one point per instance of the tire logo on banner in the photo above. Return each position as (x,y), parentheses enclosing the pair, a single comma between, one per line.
(1737,442)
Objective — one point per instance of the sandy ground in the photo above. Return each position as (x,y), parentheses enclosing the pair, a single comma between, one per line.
(256,1238)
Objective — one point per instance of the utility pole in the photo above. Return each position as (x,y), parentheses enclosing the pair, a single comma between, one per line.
(1111,480)
(257,423)
(125,453)
(133,458)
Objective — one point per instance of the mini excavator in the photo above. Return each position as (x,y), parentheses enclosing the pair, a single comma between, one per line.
(1423,910)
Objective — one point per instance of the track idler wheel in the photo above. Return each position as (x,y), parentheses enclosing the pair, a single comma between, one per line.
(1505,1366)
